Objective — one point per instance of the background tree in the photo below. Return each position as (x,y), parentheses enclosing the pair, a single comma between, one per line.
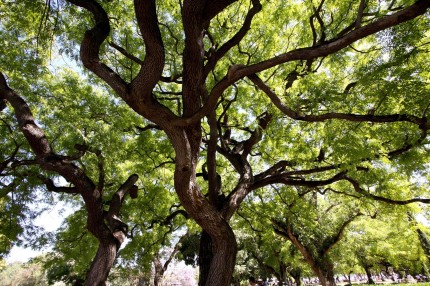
(382,243)
(218,79)
(263,253)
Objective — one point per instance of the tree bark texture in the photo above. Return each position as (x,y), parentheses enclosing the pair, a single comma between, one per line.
(101,264)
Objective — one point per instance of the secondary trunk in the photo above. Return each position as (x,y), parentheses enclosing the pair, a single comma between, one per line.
(296,273)
(158,270)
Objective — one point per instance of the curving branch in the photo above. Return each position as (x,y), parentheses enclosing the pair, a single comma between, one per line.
(238,158)
(317,16)
(213,8)
(53,188)
(167,221)
(91,43)
(34,135)
(278,169)
(153,64)
(363,192)
(119,229)
(235,40)
(422,122)
(289,180)
(125,53)
(360,13)
(11,159)
(331,241)
(334,45)
(326,48)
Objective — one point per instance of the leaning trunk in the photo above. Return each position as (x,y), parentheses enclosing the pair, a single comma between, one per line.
(369,275)
(102,264)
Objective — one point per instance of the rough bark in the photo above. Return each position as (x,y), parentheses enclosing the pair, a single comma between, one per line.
(101,264)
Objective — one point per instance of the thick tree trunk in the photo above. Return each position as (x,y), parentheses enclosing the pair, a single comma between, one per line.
(329,273)
(217,259)
(324,271)
(223,242)
(205,257)
(102,263)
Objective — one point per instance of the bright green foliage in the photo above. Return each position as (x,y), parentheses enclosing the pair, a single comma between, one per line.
(384,74)
(380,243)
(25,274)
(72,112)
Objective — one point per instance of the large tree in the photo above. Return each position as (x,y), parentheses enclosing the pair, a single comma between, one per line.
(249,94)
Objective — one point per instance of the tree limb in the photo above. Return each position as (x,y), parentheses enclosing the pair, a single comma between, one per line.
(361,191)
(329,47)
(90,46)
(235,40)
(422,122)
(153,64)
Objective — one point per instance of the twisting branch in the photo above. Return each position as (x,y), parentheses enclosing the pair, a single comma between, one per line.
(152,66)
(238,158)
(90,46)
(235,40)
(317,16)
(328,47)
(422,122)
(289,180)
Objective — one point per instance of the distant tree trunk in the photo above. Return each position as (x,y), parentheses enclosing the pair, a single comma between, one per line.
(425,242)
(324,270)
(320,265)
(296,273)
(158,270)
(160,267)
(282,276)
(369,274)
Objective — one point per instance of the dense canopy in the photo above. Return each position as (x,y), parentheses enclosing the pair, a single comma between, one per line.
(150,116)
